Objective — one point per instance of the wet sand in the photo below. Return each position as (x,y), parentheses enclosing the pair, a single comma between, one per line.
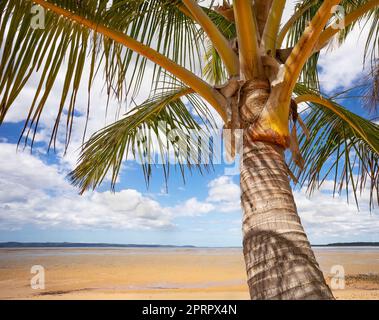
(193,273)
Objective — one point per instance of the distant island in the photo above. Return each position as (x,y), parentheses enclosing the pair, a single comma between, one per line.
(82,245)
(117,245)
(348,244)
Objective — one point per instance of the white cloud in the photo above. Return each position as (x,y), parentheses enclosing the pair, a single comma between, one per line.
(20,168)
(224,193)
(341,66)
(33,192)
(193,207)
(325,217)
(99,115)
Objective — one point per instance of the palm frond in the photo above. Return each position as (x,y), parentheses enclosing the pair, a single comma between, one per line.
(143,135)
(371,21)
(366,90)
(371,18)
(64,46)
(219,41)
(342,146)
(371,90)
(309,74)
(214,69)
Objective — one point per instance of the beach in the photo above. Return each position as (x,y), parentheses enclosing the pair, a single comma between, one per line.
(164,273)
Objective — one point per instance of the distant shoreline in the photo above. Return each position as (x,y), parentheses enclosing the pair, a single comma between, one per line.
(348,244)
(117,245)
(83,245)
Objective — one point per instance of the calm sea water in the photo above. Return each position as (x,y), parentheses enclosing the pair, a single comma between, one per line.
(117,251)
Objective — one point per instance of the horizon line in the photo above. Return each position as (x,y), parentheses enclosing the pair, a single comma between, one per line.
(29,244)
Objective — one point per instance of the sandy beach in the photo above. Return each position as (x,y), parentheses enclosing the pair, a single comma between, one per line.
(155,273)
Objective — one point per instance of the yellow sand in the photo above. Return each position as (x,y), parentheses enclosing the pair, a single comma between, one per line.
(160,273)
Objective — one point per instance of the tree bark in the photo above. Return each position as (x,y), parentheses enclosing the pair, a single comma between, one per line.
(279,260)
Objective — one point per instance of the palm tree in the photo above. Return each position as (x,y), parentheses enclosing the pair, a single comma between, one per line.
(256,72)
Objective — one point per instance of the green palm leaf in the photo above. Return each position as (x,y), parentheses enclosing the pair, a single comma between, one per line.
(142,134)
(310,73)
(214,69)
(342,146)
(64,46)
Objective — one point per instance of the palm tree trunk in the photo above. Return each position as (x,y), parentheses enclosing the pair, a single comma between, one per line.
(279,260)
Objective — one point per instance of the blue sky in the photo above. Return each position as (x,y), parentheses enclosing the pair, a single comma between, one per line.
(194,215)
(37,202)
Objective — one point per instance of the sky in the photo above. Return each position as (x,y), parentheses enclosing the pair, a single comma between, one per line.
(37,203)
